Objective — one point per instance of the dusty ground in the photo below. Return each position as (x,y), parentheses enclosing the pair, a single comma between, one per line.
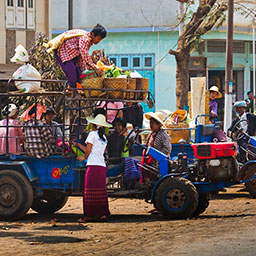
(227,227)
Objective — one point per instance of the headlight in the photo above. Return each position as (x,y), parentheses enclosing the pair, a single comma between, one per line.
(214,162)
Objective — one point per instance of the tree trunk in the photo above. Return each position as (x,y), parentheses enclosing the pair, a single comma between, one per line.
(182,80)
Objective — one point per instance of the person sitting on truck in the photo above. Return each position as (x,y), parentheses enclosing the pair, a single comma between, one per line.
(15,134)
(157,139)
(249,126)
(53,125)
(40,141)
(116,141)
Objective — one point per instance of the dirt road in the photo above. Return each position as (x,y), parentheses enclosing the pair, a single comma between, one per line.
(227,227)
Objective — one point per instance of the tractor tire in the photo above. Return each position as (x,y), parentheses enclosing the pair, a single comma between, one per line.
(16,195)
(251,186)
(203,203)
(49,203)
(176,198)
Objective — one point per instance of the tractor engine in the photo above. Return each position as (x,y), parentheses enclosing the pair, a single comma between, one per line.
(217,161)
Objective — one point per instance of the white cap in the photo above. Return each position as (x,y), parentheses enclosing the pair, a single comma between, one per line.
(10,110)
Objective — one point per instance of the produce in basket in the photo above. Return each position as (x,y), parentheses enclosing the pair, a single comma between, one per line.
(103,67)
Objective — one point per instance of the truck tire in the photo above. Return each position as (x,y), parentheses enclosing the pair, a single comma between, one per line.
(16,195)
(49,203)
(203,203)
(177,198)
(251,186)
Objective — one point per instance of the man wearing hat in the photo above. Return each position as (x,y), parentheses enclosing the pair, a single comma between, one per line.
(214,94)
(249,126)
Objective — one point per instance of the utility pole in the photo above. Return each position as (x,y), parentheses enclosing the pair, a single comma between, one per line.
(253,58)
(70,14)
(229,68)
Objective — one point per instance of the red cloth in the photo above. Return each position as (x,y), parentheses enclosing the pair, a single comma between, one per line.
(77,46)
(39,111)
(147,159)
(95,192)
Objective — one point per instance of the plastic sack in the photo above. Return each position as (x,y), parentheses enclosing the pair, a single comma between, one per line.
(21,55)
(135,74)
(27,72)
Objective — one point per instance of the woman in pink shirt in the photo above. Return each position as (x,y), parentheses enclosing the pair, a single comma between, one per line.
(15,134)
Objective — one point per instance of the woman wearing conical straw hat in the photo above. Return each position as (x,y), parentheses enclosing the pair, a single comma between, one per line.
(95,193)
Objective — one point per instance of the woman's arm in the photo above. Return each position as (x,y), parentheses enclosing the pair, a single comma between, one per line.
(88,150)
(81,146)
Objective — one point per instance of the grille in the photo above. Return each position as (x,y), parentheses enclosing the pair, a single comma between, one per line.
(220,46)
(204,150)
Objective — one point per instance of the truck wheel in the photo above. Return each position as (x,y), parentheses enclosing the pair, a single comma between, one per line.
(16,195)
(49,203)
(203,203)
(177,198)
(251,186)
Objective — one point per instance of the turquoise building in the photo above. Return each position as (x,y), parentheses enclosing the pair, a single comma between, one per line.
(141,34)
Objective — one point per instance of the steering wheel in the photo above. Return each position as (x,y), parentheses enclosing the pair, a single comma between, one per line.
(236,131)
(131,139)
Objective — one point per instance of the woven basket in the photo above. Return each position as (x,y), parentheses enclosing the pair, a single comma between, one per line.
(176,135)
(131,85)
(93,83)
(116,83)
(141,84)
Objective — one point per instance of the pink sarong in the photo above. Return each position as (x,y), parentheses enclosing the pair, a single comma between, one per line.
(95,192)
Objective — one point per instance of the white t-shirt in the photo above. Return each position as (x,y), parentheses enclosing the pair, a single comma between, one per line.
(96,156)
(244,124)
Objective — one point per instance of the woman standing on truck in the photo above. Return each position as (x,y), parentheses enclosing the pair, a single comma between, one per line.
(95,193)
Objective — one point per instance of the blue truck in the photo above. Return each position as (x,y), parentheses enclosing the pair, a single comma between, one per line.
(182,188)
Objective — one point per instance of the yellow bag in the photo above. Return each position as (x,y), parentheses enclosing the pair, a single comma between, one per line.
(57,41)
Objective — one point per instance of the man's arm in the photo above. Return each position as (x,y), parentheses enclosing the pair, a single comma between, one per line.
(84,46)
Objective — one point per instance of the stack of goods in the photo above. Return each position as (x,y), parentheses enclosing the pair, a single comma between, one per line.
(99,55)
(176,121)
(122,84)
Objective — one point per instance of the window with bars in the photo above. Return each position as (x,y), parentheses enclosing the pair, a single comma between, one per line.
(216,46)
(220,46)
(30,3)
(133,61)
(20,3)
(20,14)
(10,3)
(136,62)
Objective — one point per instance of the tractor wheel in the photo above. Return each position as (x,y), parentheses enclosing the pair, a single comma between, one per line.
(51,202)
(251,186)
(203,203)
(177,198)
(16,195)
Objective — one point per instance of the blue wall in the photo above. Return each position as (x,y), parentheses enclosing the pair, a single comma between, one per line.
(157,43)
